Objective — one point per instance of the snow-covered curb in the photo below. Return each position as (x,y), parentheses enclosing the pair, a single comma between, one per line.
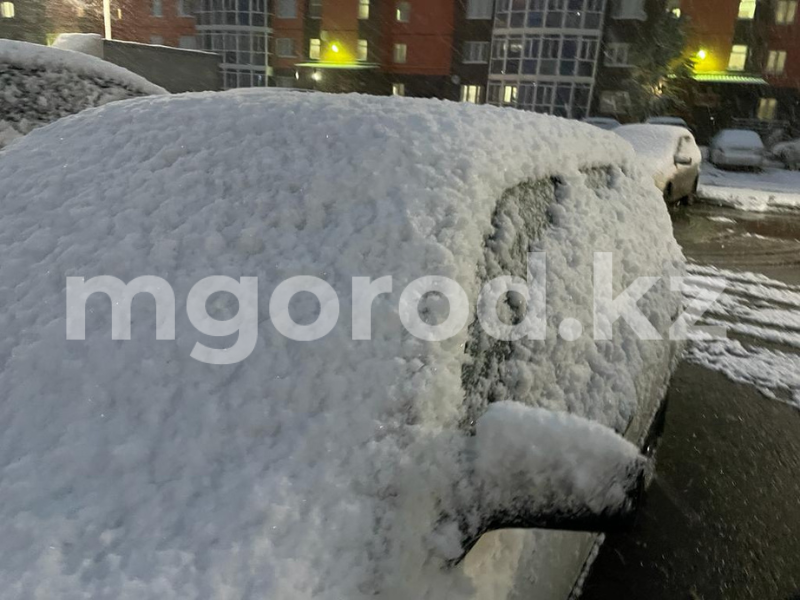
(748,199)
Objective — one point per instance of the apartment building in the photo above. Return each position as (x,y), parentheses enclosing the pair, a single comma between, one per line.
(747,62)
(544,55)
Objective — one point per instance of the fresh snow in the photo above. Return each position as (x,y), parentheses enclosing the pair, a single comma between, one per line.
(656,145)
(755,310)
(39,85)
(87,43)
(771,189)
(312,469)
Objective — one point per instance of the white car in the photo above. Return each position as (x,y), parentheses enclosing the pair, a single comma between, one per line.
(670,154)
(41,84)
(736,148)
(674,121)
(602,122)
(263,421)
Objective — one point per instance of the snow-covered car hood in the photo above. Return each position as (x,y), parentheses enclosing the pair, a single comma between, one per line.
(311,469)
(39,84)
(655,146)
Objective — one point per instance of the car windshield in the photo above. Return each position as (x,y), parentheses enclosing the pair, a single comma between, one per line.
(399,299)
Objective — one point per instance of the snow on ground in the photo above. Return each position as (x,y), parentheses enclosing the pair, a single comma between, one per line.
(131,471)
(770,189)
(757,311)
(39,85)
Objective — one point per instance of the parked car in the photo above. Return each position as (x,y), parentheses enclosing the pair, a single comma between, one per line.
(788,153)
(349,447)
(42,84)
(670,154)
(602,122)
(736,148)
(666,120)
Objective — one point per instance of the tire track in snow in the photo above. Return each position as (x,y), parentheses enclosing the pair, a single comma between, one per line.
(757,312)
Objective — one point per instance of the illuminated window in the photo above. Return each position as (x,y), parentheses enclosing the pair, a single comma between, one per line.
(738,58)
(403,13)
(157,8)
(398,89)
(767,108)
(400,53)
(472,94)
(314,49)
(776,62)
(747,9)
(363,9)
(7,10)
(363,50)
(785,12)
(476,52)
(284,47)
(510,94)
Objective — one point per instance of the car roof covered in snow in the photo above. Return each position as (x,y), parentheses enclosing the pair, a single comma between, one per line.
(131,470)
(656,145)
(741,138)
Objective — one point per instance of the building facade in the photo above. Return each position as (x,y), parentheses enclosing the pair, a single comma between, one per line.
(544,55)
(23,21)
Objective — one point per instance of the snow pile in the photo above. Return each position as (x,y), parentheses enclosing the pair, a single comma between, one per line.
(312,469)
(772,189)
(86,43)
(755,310)
(39,85)
(656,146)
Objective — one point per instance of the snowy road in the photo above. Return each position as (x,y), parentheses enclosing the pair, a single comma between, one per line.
(721,520)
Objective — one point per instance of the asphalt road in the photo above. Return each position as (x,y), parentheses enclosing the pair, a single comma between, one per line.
(722,519)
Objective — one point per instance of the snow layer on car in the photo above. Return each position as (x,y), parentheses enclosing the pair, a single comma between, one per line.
(656,146)
(310,470)
(39,85)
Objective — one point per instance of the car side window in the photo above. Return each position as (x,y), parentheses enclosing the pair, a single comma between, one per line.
(520,219)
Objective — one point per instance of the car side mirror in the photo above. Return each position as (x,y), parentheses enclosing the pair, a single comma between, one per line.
(683,160)
(534,468)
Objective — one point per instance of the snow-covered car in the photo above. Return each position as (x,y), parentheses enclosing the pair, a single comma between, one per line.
(364,443)
(736,148)
(670,154)
(788,153)
(602,122)
(39,84)
(667,120)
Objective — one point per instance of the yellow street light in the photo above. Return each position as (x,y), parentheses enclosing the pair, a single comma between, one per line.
(702,54)
(335,47)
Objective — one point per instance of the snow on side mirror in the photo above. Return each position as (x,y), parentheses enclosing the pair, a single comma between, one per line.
(534,468)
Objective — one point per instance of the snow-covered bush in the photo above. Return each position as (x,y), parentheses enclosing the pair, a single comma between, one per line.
(39,85)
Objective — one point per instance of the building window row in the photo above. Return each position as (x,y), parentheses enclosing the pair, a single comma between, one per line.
(767,108)
(563,99)
(539,54)
(236,48)
(398,89)
(403,12)
(231,12)
(785,12)
(400,54)
(776,62)
(315,9)
(7,10)
(286,9)
(480,9)
(551,14)
(236,78)
(363,9)
(284,47)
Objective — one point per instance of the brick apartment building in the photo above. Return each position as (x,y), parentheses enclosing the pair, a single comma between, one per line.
(747,62)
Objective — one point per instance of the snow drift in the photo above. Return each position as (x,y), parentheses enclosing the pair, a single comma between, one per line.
(310,470)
